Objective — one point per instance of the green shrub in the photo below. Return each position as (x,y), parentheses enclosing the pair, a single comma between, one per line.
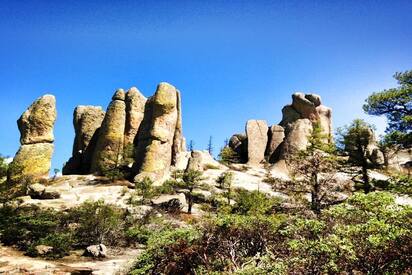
(60,242)
(228,155)
(254,202)
(144,188)
(98,223)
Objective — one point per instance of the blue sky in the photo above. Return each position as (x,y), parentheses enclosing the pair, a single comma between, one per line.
(232,60)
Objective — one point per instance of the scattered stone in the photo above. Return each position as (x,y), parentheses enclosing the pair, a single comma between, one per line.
(165,199)
(257,135)
(96,251)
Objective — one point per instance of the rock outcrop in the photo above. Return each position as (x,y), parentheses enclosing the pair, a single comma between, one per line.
(298,119)
(36,129)
(110,142)
(159,140)
(86,121)
(138,133)
(257,135)
(277,142)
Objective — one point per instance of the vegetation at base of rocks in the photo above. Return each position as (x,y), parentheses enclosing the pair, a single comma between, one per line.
(396,105)
(368,233)
(227,155)
(88,224)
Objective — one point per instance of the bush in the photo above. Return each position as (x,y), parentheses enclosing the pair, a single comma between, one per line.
(61,244)
(145,189)
(254,202)
(228,155)
(97,223)
(368,234)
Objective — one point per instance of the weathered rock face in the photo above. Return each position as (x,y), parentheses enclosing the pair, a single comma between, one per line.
(257,135)
(86,121)
(36,128)
(276,134)
(37,122)
(110,142)
(297,137)
(135,104)
(159,139)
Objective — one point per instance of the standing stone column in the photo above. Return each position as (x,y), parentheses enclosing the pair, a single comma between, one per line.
(109,148)
(257,135)
(36,125)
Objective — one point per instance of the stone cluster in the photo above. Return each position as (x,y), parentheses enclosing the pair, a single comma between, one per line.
(145,132)
(274,143)
(36,138)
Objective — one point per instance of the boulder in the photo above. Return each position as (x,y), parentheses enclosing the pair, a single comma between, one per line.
(171,201)
(41,192)
(305,105)
(87,121)
(43,250)
(37,122)
(238,143)
(96,251)
(201,160)
(276,135)
(110,142)
(157,133)
(257,135)
(135,104)
(33,160)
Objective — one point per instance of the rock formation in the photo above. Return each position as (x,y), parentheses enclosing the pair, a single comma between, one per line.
(298,119)
(86,121)
(257,134)
(159,140)
(135,104)
(36,129)
(145,134)
(276,134)
(110,142)
(291,135)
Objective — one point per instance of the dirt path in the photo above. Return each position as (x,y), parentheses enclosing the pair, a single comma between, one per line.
(13,261)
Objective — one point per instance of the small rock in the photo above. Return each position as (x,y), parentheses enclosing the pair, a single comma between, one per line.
(97,251)
(43,249)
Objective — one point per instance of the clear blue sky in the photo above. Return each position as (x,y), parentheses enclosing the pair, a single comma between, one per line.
(232,60)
